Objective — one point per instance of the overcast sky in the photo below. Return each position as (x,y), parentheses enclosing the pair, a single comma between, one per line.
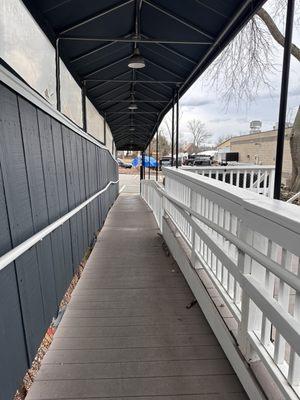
(202,103)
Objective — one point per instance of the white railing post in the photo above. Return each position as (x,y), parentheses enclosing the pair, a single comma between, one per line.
(249,320)
(271,183)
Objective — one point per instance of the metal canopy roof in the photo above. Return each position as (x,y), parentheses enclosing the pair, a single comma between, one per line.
(178,39)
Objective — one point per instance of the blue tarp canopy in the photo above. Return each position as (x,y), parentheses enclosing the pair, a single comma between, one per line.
(148,162)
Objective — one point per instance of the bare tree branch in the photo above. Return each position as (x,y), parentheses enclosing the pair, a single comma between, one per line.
(198,131)
(275,32)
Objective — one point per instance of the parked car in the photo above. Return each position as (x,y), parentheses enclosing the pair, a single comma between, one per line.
(190,160)
(123,164)
(204,161)
(166,161)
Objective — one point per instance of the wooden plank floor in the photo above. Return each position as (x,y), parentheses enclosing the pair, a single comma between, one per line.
(126,333)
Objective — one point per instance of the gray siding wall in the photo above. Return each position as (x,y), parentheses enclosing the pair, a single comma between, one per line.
(46,170)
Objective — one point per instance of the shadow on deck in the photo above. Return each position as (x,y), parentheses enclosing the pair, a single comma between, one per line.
(127,332)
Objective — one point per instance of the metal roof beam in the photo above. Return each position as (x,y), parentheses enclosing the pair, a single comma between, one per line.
(134,81)
(90,52)
(154,91)
(153,79)
(211,9)
(104,82)
(111,91)
(106,66)
(130,112)
(96,16)
(139,40)
(136,101)
(164,68)
(179,19)
(175,52)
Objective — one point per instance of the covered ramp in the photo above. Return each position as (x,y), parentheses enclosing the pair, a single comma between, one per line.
(127,333)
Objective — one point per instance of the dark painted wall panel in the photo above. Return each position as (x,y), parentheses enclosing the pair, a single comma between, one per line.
(46,170)
(62,195)
(37,194)
(20,216)
(60,269)
(14,360)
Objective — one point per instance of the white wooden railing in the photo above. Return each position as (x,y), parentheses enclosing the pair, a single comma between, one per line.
(249,246)
(257,178)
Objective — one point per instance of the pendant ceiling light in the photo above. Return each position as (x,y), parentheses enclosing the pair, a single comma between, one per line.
(136,61)
(132,106)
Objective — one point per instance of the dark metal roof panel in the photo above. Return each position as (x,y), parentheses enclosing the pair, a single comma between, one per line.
(178,40)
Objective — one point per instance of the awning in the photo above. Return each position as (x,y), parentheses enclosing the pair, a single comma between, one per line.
(177,39)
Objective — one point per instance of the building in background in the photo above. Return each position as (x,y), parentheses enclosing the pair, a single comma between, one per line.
(260,148)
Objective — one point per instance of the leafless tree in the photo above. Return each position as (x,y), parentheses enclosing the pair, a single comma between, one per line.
(164,146)
(295,154)
(199,132)
(223,138)
(247,64)
(167,124)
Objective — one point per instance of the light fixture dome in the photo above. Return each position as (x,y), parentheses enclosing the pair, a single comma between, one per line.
(132,128)
(132,106)
(136,61)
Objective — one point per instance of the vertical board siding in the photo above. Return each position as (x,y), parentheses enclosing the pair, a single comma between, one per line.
(37,195)
(46,170)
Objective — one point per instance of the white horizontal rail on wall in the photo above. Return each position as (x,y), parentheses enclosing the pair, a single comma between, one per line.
(257,178)
(17,251)
(248,245)
(31,95)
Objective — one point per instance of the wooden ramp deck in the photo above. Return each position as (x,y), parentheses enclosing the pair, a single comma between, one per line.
(126,333)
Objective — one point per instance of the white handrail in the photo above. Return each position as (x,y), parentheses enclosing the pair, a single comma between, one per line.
(17,251)
(293,198)
(249,247)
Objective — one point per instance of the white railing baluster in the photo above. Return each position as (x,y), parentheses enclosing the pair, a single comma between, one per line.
(250,253)
(264,176)
(294,362)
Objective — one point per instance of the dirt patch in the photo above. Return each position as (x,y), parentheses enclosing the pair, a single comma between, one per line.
(129,171)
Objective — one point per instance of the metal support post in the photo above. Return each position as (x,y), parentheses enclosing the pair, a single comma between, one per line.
(83,102)
(177,128)
(156,168)
(57,75)
(283,96)
(149,172)
(172,140)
